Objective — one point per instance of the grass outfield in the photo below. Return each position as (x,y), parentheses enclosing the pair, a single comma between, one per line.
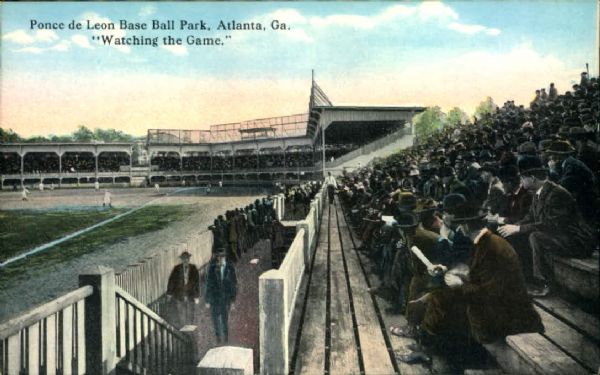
(147,219)
(22,230)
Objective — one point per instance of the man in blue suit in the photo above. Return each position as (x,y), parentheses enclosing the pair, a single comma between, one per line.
(221,290)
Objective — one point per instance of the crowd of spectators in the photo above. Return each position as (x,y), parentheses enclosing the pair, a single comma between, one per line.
(241,228)
(196,163)
(298,198)
(490,204)
(10,163)
(71,162)
(78,162)
(169,162)
(112,161)
(40,162)
(335,150)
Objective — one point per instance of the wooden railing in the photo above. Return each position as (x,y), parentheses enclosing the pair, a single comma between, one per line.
(146,342)
(278,289)
(49,339)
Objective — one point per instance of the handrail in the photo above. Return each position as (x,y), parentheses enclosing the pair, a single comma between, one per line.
(36,314)
(146,310)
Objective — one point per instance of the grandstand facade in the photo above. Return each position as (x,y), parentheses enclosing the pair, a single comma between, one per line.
(283,149)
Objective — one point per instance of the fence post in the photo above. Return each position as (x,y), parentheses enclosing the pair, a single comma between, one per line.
(306,248)
(272,327)
(100,320)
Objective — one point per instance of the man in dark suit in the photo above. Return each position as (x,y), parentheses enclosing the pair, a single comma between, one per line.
(221,290)
(554,224)
(184,287)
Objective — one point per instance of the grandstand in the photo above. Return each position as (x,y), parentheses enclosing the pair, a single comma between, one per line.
(285,149)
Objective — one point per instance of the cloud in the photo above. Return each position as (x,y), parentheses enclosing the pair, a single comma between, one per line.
(81,41)
(23,37)
(62,46)
(302,27)
(147,10)
(36,50)
(463,80)
(95,18)
(176,50)
(472,29)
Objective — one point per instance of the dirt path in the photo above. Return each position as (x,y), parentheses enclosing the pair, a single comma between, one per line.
(56,280)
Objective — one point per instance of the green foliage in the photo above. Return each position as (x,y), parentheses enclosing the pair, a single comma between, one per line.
(456,116)
(83,134)
(9,136)
(485,110)
(429,122)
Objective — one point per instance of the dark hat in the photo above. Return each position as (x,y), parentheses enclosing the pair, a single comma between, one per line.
(221,252)
(185,255)
(544,144)
(560,147)
(407,201)
(468,211)
(529,163)
(451,202)
(406,219)
(446,172)
(578,132)
(527,148)
(508,172)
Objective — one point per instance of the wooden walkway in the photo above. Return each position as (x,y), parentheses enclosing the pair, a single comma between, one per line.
(341,331)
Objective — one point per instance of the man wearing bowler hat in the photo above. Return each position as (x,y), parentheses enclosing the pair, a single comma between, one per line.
(553,224)
(184,288)
(221,290)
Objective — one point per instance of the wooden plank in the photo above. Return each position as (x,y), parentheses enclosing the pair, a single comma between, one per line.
(14,354)
(34,349)
(51,344)
(344,354)
(583,322)
(311,351)
(81,337)
(67,328)
(374,351)
(571,341)
(482,372)
(543,356)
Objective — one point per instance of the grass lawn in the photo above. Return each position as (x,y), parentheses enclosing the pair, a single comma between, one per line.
(147,219)
(22,230)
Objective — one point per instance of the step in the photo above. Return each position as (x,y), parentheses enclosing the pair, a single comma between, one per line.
(532,353)
(579,276)
(575,344)
(483,372)
(582,322)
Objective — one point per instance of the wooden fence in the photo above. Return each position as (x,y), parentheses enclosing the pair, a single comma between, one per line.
(278,289)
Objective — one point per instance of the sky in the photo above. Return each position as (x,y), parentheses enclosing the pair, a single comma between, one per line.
(449,54)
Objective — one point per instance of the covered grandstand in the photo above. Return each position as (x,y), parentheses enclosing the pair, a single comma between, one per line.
(284,149)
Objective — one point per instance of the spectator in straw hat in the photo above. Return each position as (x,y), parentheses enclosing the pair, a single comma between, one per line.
(183,288)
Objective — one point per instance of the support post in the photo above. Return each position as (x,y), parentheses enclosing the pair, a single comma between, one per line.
(100,320)
(273,333)
(306,248)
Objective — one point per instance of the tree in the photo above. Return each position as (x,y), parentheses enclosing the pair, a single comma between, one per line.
(485,110)
(83,134)
(456,116)
(429,121)
(9,136)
